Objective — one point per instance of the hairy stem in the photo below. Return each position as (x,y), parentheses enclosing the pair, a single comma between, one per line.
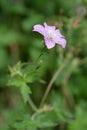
(34,108)
(51,83)
(67,94)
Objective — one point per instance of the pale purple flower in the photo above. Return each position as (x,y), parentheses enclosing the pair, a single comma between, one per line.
(52,36)
(81,10)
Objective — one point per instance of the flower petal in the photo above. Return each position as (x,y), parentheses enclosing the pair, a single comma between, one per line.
(62,42)
(58,33)
(49,44)
(39,28)
(49,27)
(59,38)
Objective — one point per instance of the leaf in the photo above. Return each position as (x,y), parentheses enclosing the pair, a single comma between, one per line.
(25,125)
(25,91)
(80,121)
(18,81)
(47,119)
(15,81)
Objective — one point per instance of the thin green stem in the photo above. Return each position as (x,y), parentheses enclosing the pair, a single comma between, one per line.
(33,106)
(33,65)
(42,52)
(51,83)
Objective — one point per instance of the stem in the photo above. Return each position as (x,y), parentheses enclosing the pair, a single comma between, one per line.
(33,65)
(51,83)
(69,100)
(32,104)
(14,48)
(67,93)
(42,52)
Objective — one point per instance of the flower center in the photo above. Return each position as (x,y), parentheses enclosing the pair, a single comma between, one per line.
(49,38)
(50,35)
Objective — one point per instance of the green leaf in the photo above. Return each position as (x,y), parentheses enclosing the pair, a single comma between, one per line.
(47,119)
(18,81)
(15,81)
(25,91)
(25,125)
(80,121)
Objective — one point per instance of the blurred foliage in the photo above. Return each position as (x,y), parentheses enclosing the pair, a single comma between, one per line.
(65,107)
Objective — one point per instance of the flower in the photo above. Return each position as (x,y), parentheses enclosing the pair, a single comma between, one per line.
(81,10)
(52,36)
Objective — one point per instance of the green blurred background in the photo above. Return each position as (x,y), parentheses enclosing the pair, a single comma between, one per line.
(19,43)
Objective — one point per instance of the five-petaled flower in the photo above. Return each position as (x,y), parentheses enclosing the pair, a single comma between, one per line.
(52,36)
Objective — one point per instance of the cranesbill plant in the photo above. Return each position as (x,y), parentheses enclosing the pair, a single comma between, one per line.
(23,74)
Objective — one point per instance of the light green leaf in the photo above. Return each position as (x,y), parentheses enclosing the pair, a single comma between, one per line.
(16,81)
(25,91)
(47,119)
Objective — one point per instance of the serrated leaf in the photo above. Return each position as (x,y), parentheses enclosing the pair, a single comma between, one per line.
(25,91)
(47,119)
(15,81)
(80,121)
(18,81)
(28,125)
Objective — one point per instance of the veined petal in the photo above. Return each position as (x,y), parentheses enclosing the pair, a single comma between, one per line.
(49,44)
(39,28)
(62,42)
(59,38)
(58,33)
